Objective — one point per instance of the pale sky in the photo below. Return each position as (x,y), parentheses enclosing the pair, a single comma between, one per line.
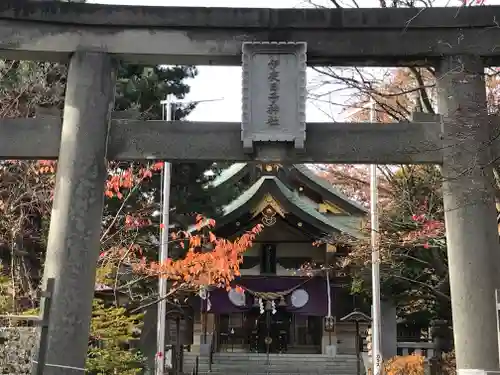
(225,82)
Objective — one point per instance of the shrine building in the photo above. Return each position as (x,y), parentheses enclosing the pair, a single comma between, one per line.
(272,307)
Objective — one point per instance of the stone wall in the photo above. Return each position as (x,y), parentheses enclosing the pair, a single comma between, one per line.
(16,349)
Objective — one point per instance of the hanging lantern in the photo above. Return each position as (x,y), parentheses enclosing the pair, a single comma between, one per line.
(329,323)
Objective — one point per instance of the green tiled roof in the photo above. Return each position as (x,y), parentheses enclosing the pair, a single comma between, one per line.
(228,173)
(334,223)
(244,197)
(237,170)
(303,169)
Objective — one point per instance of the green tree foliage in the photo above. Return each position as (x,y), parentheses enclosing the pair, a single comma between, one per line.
(414,267)
(27,86)
(414,245)
(5,297)
(112,330)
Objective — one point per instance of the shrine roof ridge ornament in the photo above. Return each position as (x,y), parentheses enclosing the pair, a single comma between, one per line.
(204,36)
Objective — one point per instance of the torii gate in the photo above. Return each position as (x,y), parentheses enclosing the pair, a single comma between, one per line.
(458,42)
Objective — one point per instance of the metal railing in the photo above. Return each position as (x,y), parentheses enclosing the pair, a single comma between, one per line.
(196,367)
(212,351)
(423,348)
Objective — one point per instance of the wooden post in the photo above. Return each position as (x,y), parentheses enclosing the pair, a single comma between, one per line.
(178,346)
(358,351)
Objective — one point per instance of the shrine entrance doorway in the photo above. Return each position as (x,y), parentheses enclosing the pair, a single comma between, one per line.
(271,332)
(289,332)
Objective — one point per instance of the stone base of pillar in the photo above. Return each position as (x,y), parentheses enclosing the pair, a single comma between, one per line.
(366,361)
(206,347)
(329,344)
(477,372)
(330,351)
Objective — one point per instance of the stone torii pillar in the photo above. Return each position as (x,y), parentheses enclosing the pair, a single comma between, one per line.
(471,229)
(76,221)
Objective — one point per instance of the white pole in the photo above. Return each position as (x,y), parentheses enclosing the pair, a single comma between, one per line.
(497,300)
(329,293)
(377,360)
(161,360)
(162,281)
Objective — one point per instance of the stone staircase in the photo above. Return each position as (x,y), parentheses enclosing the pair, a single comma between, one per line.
(278,364)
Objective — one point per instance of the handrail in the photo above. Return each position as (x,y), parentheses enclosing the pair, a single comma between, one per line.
(196,367)
(212,350)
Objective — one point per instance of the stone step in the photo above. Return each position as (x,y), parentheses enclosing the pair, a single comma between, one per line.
(266,366)
(280,371)
(276,364)
(277,358)
(271,364)
(283,360)
(273,369)
(251,372)
(284,355)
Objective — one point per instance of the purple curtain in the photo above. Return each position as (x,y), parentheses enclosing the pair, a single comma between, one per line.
(317,305)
